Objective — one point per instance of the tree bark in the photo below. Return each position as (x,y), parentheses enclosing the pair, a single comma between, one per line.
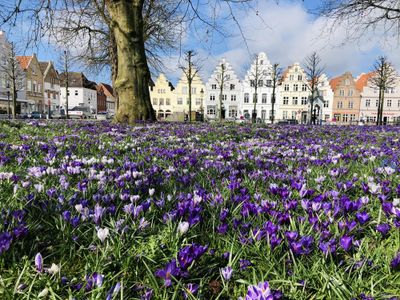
(132,74)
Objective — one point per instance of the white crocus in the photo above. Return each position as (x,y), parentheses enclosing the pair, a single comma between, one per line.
(54,269)
(183,227)
(102,233)
(43,293)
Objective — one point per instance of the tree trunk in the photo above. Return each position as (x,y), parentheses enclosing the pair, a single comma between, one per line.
(114,67)
(14,100)
(381,106)
(133,75)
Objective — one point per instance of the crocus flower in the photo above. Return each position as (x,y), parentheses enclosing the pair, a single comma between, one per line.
(183,227)
(102,233)
(383,228)
(39,262)
(346,242)
(167,272)
(395,263)
(227,273)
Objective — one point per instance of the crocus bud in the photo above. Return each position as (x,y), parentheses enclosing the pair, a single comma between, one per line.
(183,227)
(39,262)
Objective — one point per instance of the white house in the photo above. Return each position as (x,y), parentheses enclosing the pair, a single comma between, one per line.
(258,77)
(223,82)
(326,93)
(5,81)
(370,100)
(81,91)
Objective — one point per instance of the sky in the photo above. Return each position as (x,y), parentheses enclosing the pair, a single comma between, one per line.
(285,30)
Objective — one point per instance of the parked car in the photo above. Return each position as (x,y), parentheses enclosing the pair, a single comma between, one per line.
(80,112)
(35,115)
(55,114)
(102,116)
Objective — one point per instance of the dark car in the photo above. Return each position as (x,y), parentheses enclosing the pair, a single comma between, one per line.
(35,115)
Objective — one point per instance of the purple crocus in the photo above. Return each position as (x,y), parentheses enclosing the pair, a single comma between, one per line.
(227,273)
(39,262)
(170,270)
(362,217)
(191,290)
(383,228)
(395,263)
(259,292)
(346,242)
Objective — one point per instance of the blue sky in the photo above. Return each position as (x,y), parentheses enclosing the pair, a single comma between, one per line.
(286,32)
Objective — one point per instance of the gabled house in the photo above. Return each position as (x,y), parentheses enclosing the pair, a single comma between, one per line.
(52,88)
(33,82)
(110,100)
(81,91)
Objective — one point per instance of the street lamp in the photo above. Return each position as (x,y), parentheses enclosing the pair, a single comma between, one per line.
(201,106)
(8,99)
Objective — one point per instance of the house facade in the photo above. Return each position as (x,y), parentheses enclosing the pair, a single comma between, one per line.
(163,98)
(294,94)
(258,76)
(81,91)
(370,100)
(326,94)
(181,101)
(33,82)
(231,93)
(346,99)
(110,98)
(6,84)
(51,84)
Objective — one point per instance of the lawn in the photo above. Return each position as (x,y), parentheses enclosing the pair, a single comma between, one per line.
(92,210)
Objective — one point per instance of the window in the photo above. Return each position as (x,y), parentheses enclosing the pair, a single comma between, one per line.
(351,104)
(294,100)
(213,86)
(260,83)
(161,101)
(398,103)
(193,90)
(368,103)
(263,114)
(246,98)
(252,83)
(285,100)
(294,114)
(326,103)
(295,87)
(347,82)
(352,117)
(34,87)
(340,104)
(29,85)
(232,87)
(350,93)
(187,101)
(336,117)
(212,97)
(286,88)
(269,82)
(264,98)
(76,93)
(210,110)
(228,77)
(377,102)
(284,114)
(300,78)
(389,103)
(291,77)
(184,90)
(233,97)
(345,118)
(224,97)
(232,112)
(304,87)
(303,100)
(341,92)
(198,101)
(167,101)
(155,101)
(180,101)
(261,62)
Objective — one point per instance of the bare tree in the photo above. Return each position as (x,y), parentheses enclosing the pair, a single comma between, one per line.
(258,75)
(125,21)
(361,16)
(190,70)
(313,70)
(276,76)
(65,64)
(384,78)
(14,76)
(222,78)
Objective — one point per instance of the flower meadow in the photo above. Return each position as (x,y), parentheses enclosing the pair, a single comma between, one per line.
(92,210)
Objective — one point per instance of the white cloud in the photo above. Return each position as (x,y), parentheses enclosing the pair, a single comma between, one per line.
(287,33)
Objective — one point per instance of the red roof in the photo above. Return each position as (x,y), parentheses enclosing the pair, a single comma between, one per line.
(24,61)
(363,80)
(108,90)
(334,82)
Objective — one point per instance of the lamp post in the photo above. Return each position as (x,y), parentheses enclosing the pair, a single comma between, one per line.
(8,100)
(201,104)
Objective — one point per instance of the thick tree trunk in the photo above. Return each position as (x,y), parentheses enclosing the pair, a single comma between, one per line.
(381,108)
(114,67)
(133,75)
